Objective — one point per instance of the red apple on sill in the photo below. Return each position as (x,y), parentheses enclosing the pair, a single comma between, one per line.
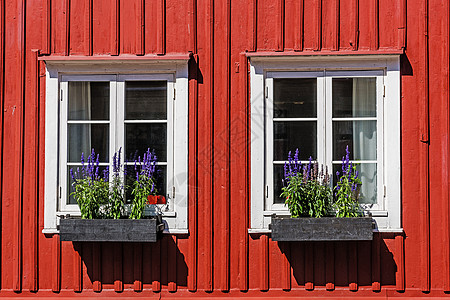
(156,199)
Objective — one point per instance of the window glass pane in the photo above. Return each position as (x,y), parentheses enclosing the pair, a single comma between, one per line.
(146,100)
(354,97)
(82,138)
(368,176)
(140,137)
(88,100)
(360,136)
(161,180)
(278,176)
(289,136)
(295,98)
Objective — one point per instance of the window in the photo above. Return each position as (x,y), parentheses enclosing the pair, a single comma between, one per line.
(321,106)
(126,107)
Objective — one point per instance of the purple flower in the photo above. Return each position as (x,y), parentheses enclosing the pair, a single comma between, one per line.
(71,175)
(106,174)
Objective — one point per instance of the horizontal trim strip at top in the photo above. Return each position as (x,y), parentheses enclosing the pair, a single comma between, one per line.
(323,53)
(118,58)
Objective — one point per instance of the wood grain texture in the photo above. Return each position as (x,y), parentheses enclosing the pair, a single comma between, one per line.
(227,259)
(424,157)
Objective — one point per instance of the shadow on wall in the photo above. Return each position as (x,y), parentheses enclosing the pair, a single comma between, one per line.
(133,262)
(340,263)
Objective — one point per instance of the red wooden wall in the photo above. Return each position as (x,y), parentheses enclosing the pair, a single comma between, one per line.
(219,257)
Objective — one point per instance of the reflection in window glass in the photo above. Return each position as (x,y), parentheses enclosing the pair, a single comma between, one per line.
(295,98)
(146,100)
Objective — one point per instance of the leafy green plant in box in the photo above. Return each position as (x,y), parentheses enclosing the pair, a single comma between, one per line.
(306,190)
(91,191)
(346,189)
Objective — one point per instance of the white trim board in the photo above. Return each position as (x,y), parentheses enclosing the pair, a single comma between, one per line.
(384,67)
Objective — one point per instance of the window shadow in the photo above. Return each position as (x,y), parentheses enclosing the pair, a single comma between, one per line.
(129,263)
(340,263)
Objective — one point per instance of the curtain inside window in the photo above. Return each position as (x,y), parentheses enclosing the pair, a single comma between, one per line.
(365,135)
(79,109)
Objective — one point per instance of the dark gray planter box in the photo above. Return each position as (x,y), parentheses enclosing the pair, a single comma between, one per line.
(107,230)
(321,229)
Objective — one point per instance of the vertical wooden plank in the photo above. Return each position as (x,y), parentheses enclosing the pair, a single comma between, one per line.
(353,267)
(77,269)
(20,134)
(118,268)
(115,29)
(424,159)
(60,24)
(336,25)
(33,187)
(309,267)
(97,267)
(137,269)
(88,27)
(156,267)
(252,23)
(446,176)
(329,263)
(400,262)
(161,16)
(402,26)
(243,107)
(280,26)
(140,31)
(193,170)
(164,260)
(356,24)
(210,177)
(319,25)
(205,143)
(172,264)
(46,27)
(264,275)
(67,32)
(375,25)
(299,17)
(221,149)
(286,272)
(226,218)
(56,274)
(193,25)
(376,262)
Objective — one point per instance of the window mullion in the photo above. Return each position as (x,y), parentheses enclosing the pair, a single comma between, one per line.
(120,117)
(112,121)
(321,122)
(328,124)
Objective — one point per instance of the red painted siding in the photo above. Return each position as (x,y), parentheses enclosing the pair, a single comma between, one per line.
(219,256)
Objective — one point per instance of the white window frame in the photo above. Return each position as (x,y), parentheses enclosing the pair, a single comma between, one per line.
(386,68)
(58,73)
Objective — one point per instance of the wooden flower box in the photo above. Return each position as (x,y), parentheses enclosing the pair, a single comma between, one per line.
(108,230)
(321,229)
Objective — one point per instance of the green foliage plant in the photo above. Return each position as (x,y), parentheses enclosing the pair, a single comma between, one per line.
(144,185)
(115,206)
(345,200)
(90,190)
(306,190)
